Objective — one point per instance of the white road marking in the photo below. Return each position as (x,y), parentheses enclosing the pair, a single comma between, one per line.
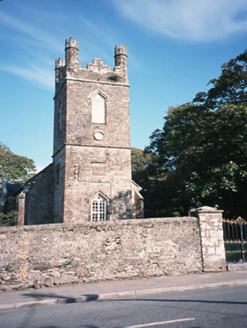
(160,323)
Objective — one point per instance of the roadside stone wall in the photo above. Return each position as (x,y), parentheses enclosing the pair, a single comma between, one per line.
(55,254)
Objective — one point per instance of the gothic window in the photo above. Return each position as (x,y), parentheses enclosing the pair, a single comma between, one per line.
(98,209)
(98,107)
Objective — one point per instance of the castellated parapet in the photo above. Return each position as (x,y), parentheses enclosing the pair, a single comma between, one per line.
(120,50)
(71,43)
(98,67)
(60,63)
(97,70)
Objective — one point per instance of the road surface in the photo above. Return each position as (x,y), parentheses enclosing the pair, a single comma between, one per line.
(224,307)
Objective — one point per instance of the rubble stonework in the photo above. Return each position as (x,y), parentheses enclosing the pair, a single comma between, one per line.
(47,255)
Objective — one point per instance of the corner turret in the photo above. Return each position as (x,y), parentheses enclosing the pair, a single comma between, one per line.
(58,64)
(121,61)
(71,52)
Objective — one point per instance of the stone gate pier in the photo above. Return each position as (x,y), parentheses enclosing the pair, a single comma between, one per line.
(211,238)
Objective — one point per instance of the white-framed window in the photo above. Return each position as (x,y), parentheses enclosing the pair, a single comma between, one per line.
(98,209)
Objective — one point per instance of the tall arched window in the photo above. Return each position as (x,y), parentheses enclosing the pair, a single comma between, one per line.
(98,107)
(98,209)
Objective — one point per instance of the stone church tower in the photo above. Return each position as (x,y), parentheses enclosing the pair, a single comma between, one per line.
(92,155)
(90,177)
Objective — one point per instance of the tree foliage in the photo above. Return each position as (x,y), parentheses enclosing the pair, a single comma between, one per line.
(14,168)
(152,176)
(8,219)
(230,87)
(201,152)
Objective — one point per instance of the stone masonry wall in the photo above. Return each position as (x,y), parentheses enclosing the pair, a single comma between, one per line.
(40,188)
(47,255)
(103,171)
(212,241)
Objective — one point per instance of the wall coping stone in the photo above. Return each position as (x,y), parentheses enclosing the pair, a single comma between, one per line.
(58,226)
(208,209)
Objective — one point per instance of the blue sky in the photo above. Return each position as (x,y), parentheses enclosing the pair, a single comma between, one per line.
(174,49)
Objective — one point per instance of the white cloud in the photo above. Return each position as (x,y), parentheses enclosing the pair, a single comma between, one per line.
(30,39)
(35,34)
(196,20)
(33,73)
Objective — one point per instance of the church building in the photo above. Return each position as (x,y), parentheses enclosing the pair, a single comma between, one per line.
(90,176)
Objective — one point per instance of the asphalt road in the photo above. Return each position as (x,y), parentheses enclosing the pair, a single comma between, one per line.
(217,308)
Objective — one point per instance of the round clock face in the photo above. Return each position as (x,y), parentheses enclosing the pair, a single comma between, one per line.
(98,135)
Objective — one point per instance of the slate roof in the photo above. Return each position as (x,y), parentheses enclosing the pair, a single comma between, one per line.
(12,188)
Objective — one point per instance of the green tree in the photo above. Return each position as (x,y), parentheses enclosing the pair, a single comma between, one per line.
(140,162)
(145,172)
(230,87)
(202,145)
(148,172)
(14,168)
